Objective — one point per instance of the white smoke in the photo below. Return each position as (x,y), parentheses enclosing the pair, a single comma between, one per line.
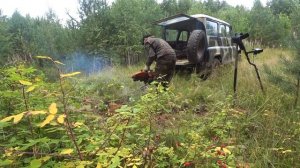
(85,63)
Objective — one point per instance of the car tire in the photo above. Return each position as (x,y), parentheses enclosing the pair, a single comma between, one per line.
(216,62)
(196,46)
(207,72)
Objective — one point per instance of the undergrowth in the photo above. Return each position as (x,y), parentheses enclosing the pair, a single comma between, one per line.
(107,120)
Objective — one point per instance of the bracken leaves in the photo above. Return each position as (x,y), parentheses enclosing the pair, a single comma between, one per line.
(66,151)
(36,163)
(31,88)
(26,83)
(99,165)
(78,124)
(61,119)
(44,57)
(18,117)
(53,109)
(57,62)
(226,151)
(47,120)
(69,74)
(7,119)
(36,112)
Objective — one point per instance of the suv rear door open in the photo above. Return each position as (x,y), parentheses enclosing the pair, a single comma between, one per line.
(198,40)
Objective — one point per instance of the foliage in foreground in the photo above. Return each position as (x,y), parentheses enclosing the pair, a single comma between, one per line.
(114,31)
(103,123)
(130,136)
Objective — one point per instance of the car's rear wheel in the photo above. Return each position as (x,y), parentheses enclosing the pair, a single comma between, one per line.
(216,62)
(208,71)
(196,46)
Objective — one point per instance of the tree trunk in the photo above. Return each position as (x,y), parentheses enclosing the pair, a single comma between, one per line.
(128,58)
(297,92)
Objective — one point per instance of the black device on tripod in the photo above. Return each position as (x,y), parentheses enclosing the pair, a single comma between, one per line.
(238,39)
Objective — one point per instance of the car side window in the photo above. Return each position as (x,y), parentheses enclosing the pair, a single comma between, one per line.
(211,28)
(222,30)
(183,36)
(171,35)
(228,31)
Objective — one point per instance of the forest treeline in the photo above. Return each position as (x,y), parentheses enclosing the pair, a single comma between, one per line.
(114,31)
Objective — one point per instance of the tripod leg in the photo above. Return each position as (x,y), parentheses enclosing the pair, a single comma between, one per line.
(235,78)
(258,77)
(257,73)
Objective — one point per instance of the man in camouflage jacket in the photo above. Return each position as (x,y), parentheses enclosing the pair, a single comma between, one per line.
(164,56)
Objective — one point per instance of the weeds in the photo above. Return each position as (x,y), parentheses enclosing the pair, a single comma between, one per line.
(116,124)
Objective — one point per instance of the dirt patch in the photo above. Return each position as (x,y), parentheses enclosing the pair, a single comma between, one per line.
(201,110)
(112,107)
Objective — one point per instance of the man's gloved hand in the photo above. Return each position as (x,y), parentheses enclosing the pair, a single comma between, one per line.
(146,68)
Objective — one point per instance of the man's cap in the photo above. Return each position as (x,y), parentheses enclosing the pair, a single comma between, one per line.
(145,36)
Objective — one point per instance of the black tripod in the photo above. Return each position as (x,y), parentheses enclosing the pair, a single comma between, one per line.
(238,39)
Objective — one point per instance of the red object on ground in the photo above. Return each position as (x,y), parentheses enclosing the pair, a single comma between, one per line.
(143,76)
(189,164)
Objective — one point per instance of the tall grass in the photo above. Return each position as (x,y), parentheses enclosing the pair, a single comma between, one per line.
(268,134)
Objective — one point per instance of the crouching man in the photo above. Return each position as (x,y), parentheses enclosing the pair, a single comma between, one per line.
(164,56)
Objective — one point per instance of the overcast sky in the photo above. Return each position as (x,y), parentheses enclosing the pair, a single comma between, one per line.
(39,7)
